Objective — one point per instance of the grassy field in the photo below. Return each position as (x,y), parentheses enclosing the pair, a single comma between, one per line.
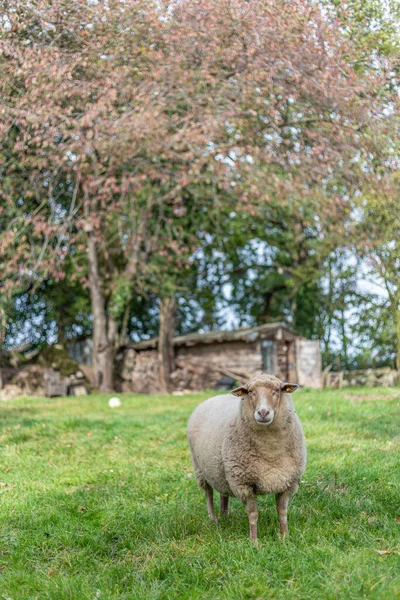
(100,503)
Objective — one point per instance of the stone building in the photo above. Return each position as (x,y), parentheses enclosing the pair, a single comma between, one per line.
(219,359)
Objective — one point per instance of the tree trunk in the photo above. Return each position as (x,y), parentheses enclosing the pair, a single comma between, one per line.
(3,331)
(397,326)
(268,297)
(344,339)
(293,308)
(166,354)
(124,325)
(60,330)
(112,336)
(103,364)
(3,326)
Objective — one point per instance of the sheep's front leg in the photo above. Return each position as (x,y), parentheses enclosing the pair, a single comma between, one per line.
(282,501)
(209,492)
(252,513)
(224,505)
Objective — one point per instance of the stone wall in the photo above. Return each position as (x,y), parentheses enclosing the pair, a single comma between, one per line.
(137,371)
(386,377)
(197,367)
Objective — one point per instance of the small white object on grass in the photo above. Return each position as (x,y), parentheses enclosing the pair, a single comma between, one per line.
(114,402)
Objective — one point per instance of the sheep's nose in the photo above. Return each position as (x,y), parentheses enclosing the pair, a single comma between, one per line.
(263,412)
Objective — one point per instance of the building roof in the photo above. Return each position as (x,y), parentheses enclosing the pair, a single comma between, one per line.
(244,334)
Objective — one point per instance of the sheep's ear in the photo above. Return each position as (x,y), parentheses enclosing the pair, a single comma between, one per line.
(289,387)
(240,391)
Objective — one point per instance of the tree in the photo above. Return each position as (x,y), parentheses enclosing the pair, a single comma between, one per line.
(130,117)
(123,155)
(377,232)
(275,265)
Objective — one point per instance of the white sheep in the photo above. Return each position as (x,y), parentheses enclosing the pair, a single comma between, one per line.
(249,443)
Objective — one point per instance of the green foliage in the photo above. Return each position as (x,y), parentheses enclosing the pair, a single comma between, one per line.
(48,311)
(375,332)
(374,23)
(102,503)
(57,358)
(377,241)
(274,262)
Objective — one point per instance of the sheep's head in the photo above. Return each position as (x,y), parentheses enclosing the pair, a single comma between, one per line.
(262,396)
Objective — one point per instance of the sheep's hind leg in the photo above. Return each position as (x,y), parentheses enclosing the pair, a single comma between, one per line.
(282,501)
(224,505)
(209,492)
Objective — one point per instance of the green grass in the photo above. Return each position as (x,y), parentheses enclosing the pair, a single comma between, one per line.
(101,503)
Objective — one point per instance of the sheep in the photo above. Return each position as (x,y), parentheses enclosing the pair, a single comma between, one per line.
(247,443)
